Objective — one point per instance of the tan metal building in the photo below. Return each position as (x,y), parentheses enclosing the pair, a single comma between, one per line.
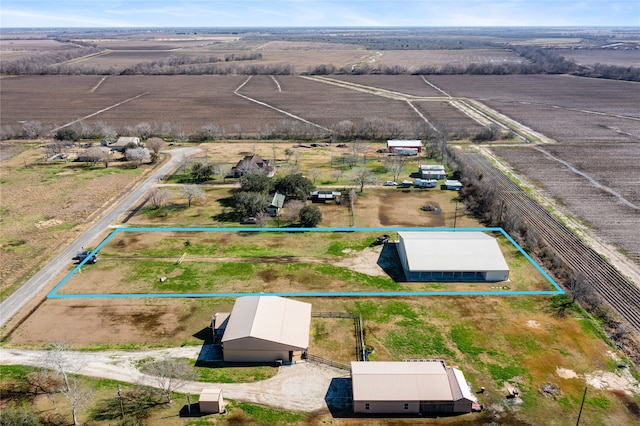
(266,329)
(451,256)
(420,387)
(211,401)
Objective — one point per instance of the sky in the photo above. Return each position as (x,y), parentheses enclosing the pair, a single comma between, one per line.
(307,13)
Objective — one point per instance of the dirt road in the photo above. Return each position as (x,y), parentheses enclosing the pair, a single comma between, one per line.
(12,304)
(301,387)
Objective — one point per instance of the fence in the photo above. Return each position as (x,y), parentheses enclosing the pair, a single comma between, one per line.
(361,351)
(330,363)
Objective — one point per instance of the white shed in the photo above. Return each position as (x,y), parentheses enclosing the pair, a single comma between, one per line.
(211,401)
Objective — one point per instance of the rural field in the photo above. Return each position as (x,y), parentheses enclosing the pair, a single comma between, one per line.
(584,164)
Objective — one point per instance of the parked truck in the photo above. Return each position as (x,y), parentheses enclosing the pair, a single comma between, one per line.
(425,183)
(406,151)
(83,255)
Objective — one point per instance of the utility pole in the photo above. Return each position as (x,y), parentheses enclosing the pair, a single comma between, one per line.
(120,398)
(584,396)
(455,215)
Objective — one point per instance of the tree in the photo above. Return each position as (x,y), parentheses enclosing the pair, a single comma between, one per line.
(33,129)
(295,186)
(256,182)
(395,164)
(58,359)
(170,374)
(137,156)
(201,170)
(310,216)
(315,174)
(97,154)
(222,169)
(155,145)
(143,130)
(362,176)
(66,134)
(10,416)
(291,210)
(158,198)
(192,192)
(249,204)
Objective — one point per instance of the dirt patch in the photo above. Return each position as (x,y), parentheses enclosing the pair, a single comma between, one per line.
(566,373)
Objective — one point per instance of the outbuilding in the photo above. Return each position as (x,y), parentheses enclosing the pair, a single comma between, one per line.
(267,329)
(399,144)
(409,387)
(451,256)
(211,401)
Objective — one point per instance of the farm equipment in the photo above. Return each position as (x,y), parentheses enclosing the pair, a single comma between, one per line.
(382,239)
(83,255)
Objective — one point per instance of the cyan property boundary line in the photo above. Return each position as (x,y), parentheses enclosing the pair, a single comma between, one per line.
(53,294)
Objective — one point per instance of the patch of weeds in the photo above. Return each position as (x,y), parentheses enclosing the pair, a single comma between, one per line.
(269,416)
(464,337)
(526,343)
(320,332)
(342,248)
(599,401)
(418,342)
(254,251)
(234,374)
(502,374)
(355,278)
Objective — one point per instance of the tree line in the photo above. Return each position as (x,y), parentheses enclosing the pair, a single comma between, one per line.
(536,60)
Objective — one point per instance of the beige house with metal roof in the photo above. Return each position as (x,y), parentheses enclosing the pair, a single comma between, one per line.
(266,329)
(451,256)
(418,387)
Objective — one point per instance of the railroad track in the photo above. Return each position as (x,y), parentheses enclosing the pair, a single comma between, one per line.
(605,280)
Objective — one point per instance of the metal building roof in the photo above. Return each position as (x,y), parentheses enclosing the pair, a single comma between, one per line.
(405,381)
(452,251)
(404,143)
(270,318)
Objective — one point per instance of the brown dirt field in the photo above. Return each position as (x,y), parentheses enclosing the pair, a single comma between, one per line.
(564,91)
(621,58)
(409,84)
(414,59)
(614,166)
(44,204)
(325,104)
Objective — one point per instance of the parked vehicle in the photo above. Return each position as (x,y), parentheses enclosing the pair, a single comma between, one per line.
(382,239)
(249,221)
(390,183)
(83,255)
(410,152)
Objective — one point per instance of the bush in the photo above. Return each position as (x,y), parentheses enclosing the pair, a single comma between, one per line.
(310,216)
(18,417)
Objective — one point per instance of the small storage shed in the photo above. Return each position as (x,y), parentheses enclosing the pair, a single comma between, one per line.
(211,401)
(432,171)
(393,144)
(276,204)
(451,256)
(267,329)
(418,387)
(452,184)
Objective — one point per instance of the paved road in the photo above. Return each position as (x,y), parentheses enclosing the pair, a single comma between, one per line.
(12,304)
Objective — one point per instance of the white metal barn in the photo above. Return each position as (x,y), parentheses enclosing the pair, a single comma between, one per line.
(393,144)
(266,329)
(451,256)
(421,387)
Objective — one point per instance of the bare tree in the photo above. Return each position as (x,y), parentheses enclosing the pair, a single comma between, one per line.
(315,174)
(212,131)
(33,129)
(222,169)
(155,145)
(192,192)
(170,374)
(158,198)
(58,359)
(362,176)
(143,130)
(262,219)
(291,210)
(395,164)
(95,155)
(335,175)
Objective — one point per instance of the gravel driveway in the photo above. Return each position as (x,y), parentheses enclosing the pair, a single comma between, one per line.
(301,387)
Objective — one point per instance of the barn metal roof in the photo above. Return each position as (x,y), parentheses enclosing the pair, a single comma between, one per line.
(407,381)
(404,143)
(452,251)
(270,318)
